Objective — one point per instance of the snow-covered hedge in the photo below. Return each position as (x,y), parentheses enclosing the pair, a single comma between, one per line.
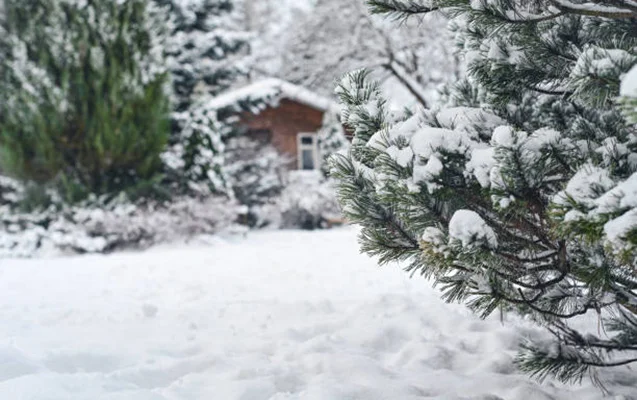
(308,201)
(97,227)
(256,171)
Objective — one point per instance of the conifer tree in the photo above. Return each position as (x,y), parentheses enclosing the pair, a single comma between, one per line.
(83,99)
(206,55)
(205,48)
(521,195)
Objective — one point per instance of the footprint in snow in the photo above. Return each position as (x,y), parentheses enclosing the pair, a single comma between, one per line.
(149,310)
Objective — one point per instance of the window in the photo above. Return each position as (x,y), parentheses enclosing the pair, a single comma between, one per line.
(307,151)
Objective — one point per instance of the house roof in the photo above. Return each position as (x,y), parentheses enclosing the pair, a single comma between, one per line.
(271,91)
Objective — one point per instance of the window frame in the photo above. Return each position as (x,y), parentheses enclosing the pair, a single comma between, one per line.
(300,147)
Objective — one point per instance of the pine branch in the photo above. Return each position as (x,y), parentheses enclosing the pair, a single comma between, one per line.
(627,4)
(540,285)
(399,9)
(581,311)
(519,18)
(530,20)
(600,11)
(563,93)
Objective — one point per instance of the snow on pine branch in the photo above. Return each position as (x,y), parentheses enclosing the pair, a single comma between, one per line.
(401,8)
(628,86)
(596,9)
(470,229)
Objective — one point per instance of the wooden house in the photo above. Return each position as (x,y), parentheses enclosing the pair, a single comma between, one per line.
(286,115)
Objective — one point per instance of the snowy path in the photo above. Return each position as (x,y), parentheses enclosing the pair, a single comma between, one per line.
(278,316)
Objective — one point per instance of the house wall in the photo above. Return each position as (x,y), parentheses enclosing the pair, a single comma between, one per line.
(284,122)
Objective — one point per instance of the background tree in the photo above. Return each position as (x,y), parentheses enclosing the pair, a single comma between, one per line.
(206,47)
(206,53)
(83,99)
(271,22)
(521,197)
(336,37)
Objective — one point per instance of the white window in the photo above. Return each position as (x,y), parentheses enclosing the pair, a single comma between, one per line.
(307,151)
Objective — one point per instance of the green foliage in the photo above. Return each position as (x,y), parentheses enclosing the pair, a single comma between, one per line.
(520,195)
(83,103)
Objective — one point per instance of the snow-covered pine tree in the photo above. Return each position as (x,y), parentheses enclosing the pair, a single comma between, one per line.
(524,195)
(83,95)
(206,51)
(205,48)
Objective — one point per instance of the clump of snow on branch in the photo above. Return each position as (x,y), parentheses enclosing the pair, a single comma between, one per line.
(470,229)
(308,201)
(629,83)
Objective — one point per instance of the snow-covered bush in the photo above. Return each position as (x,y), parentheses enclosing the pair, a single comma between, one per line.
(521,196)
(256,172)
(11,191)
(97,226)
(308,201)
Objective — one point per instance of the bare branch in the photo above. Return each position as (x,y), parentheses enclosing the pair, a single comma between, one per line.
(407,82)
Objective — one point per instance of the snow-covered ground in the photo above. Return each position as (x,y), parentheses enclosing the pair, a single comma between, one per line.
(279,316)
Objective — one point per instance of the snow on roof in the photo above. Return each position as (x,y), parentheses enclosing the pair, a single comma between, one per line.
(272,90)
